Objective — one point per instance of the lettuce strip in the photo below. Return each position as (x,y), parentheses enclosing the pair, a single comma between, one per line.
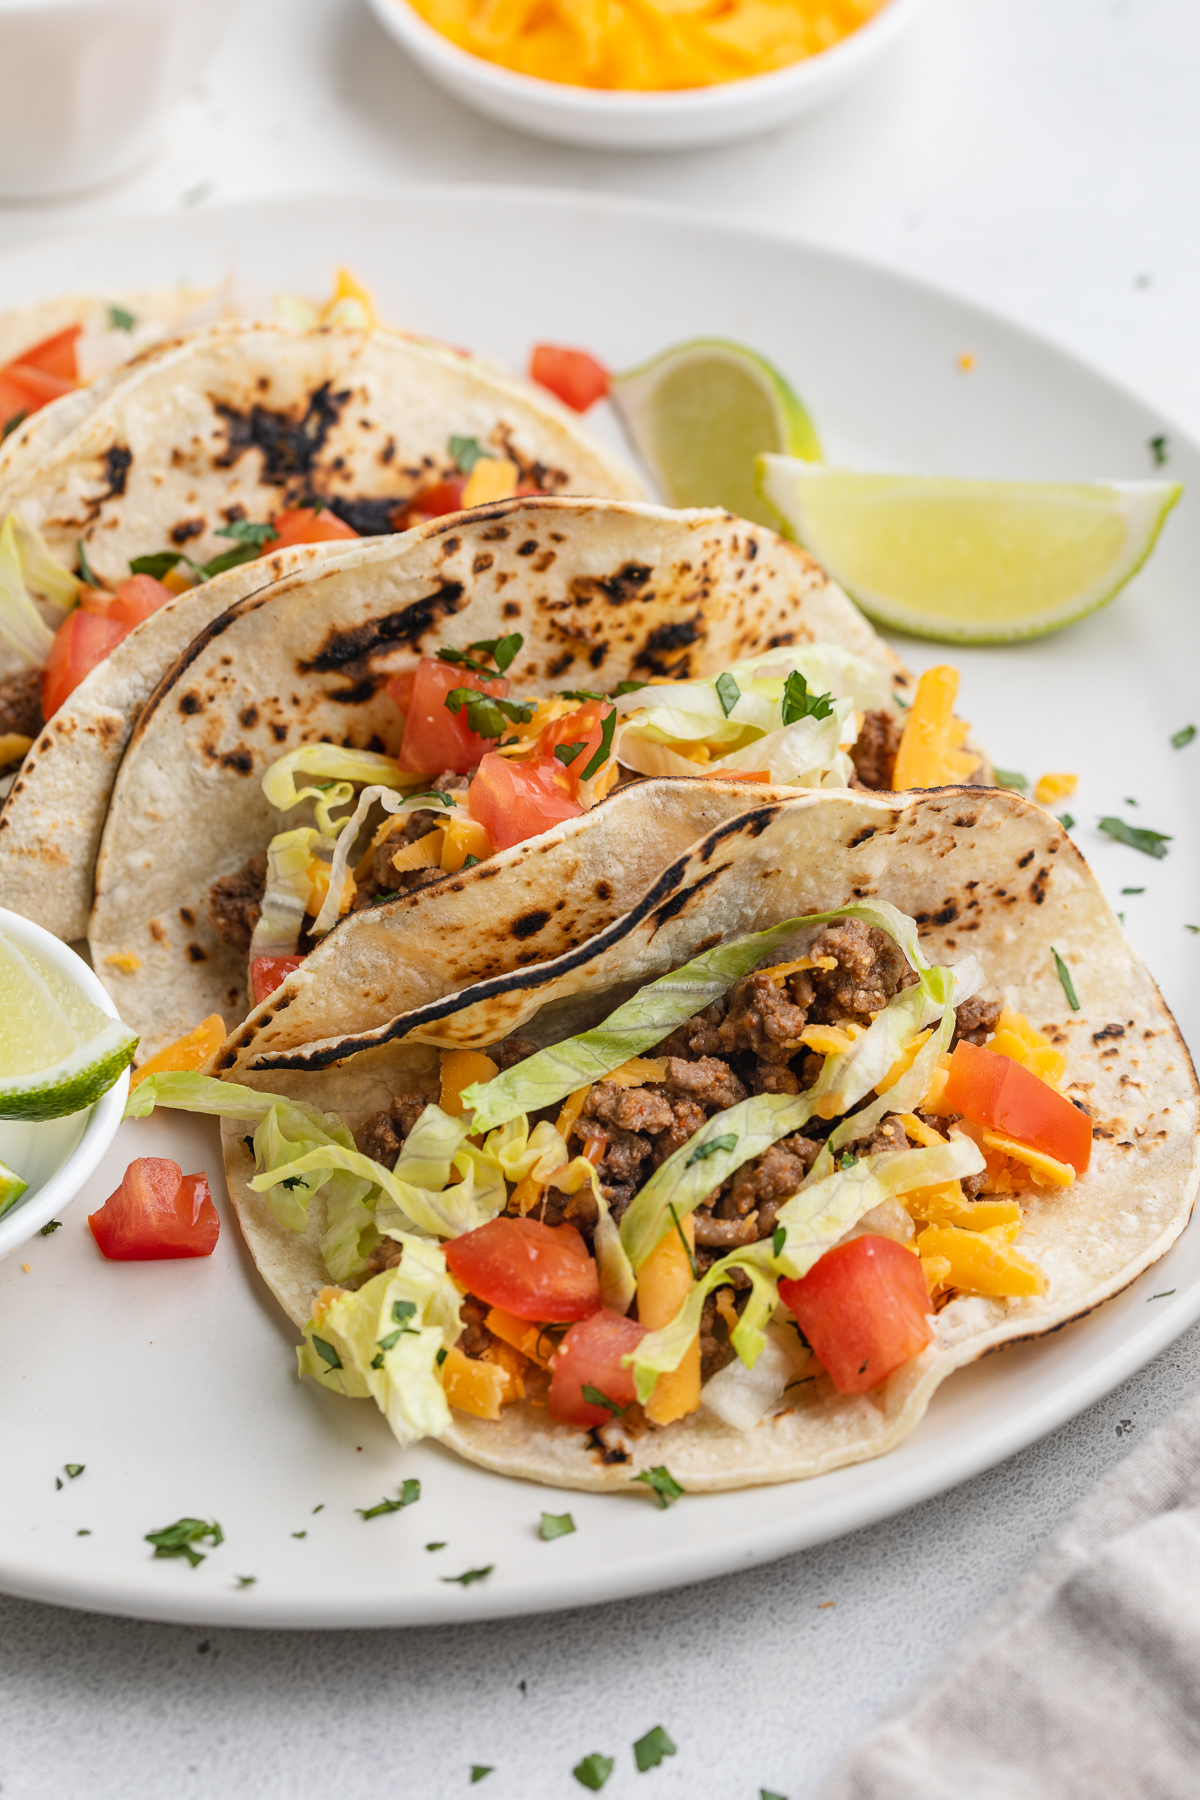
(288,890)
(661,1351)
(22,626)
(329,762)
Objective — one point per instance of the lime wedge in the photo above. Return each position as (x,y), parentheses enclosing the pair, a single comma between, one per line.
(58,1052)
(699,416)
(970,562)
(11,1187)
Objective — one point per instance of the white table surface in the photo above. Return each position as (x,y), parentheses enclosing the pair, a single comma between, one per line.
(1042,156)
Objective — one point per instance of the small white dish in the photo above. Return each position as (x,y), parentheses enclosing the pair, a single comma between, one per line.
(55,1156)
(607,119)
(86,85)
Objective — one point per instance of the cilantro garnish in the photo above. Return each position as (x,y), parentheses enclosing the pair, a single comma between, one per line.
(687,1248)
(402,1312)
(1165,1295)
(778,1239)
(666,1489)
(728,692)
(85,1532)
(1150,843)
(120,320)
(629,687)
(466,452)
(501,650)
(436,794)
(74,1470)
(228,559)
(1158,448)
(245,531)
(441,1357)
(566,753)
(578,694)
(158,565)
(58,1482)
(479,1770)
(1133,890)
(1194,929)
(594,1397)
(327,1353)
(649,1751)
(300,1534)
(178,1539)
(468,1576)
(556,1525)
(1067,821)
(1064,975)
(438,1546)
(702,1152)
(291,1181)
(1009,778)
(380,898)
(11,424)
(245,1581)
(593,1771)
(1181,739)
(485,713)
(85,567)
(764,1794)
(409,1494)
(470,861)
(848,1160)
(798,703)
(607,726)
(51,1228)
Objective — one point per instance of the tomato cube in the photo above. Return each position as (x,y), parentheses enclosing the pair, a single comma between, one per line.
(54,355)
(591,1356)
(577,378)
(157,1212)
(136,599)
(437,740)
(864,1309)
(305,525)
(1001,1095)
(269,972)
(534,1271)
(84,639)
(514,801)
(577,728)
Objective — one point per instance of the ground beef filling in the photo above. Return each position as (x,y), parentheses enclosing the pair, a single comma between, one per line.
(235,903)
(382,880)
(874,753)
(20,710)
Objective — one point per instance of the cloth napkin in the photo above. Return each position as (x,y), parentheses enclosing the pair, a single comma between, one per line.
(1084,1683)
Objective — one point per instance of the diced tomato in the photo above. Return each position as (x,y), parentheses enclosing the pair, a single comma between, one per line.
(435,502)
(435,739)
(864,1309)
(400,687)
(269,972)
(157,1212)
(582,727)
(573,375)
(531,1270)
(136,599)
(54,355)
(24,391)
(514,801)
(997,1093)
(590,1356)
(305,525)
(84,639)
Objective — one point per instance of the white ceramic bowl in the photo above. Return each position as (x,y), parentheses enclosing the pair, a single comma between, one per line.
(678,120)
(55,1156)
(86,85)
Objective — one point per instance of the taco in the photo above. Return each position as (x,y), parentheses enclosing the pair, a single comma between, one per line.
(211,451)
(344,736)
(862,1088)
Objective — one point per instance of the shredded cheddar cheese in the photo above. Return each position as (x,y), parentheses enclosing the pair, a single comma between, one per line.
(930,753)
(1051,789)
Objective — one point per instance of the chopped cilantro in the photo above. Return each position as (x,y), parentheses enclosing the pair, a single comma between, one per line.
(1159,448)
(85,567)
(178,1539)
(1133,890)
(848,1160)
(578,694)
(1150,843)
(327,1353)
(468,1576)
(467,451)
(1129,800)
(778,1239)
(1064,975)
(436,794)
(593,1771)
(629,687)
(555,1525)
(51,1228)
(479,1770)
(10,425)
(402,1312)
(84,1532)
(1194,929)
(649,1751)
(1011,778)
(120,320)
(594,1397)
(728,692)
(73,1470)
(228,559)
(58,1481)
(485,713)
(245,1581)
(409,1494)
(798,703)
(441,1357)
(320,1508)
(1067,821)
(687,1248)
(441,1545)
(666,1489)
(289,1182)
(702,1152)
(607,726)
(566,753)
(299,1534)
(765,1794)
(1165,1295)
(245,531)
(469,861)
(159,564)
(1182,738)
(502,650)
(379,899)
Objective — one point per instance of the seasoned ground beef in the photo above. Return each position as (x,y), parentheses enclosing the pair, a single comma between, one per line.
(707,1080)
(976,1019)
(887,1136)
(385,880)
(762,1019)
(381,1135)
(874,754)
(21,703)
(773,1176)
(235,902)
(387,1254)
(698,1036)
(870,970)
(513,1050)
(475,1337)
(630,1109)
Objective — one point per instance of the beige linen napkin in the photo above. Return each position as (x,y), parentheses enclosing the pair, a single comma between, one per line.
(1084,1684)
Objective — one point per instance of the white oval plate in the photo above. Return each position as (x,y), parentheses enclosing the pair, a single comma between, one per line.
(173,1383)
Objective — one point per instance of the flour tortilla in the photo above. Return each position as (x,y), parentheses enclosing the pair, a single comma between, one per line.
(51,821)
(601,591)
(981,871)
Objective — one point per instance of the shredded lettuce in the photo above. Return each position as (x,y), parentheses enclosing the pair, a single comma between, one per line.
(202,1094)
(329,762)
(742,1397)
(44,575)
(288,889)
(664,1350)
(383,1341)
(22,626)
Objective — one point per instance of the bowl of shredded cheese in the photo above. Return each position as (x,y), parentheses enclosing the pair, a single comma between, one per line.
(645,74)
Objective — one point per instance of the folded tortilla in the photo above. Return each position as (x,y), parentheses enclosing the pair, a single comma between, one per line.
(601,591)
(980,871)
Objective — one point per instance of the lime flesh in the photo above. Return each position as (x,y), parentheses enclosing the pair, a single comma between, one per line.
(981,562)
(701,414)
(58,1052)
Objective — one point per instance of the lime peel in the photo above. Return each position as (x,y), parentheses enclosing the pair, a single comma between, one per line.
(58,1051)
(983,562)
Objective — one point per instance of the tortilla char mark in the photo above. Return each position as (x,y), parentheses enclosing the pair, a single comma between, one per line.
(404,629)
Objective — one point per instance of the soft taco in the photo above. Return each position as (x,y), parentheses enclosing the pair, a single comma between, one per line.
(402,712)
(234,443)
(862,1088)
